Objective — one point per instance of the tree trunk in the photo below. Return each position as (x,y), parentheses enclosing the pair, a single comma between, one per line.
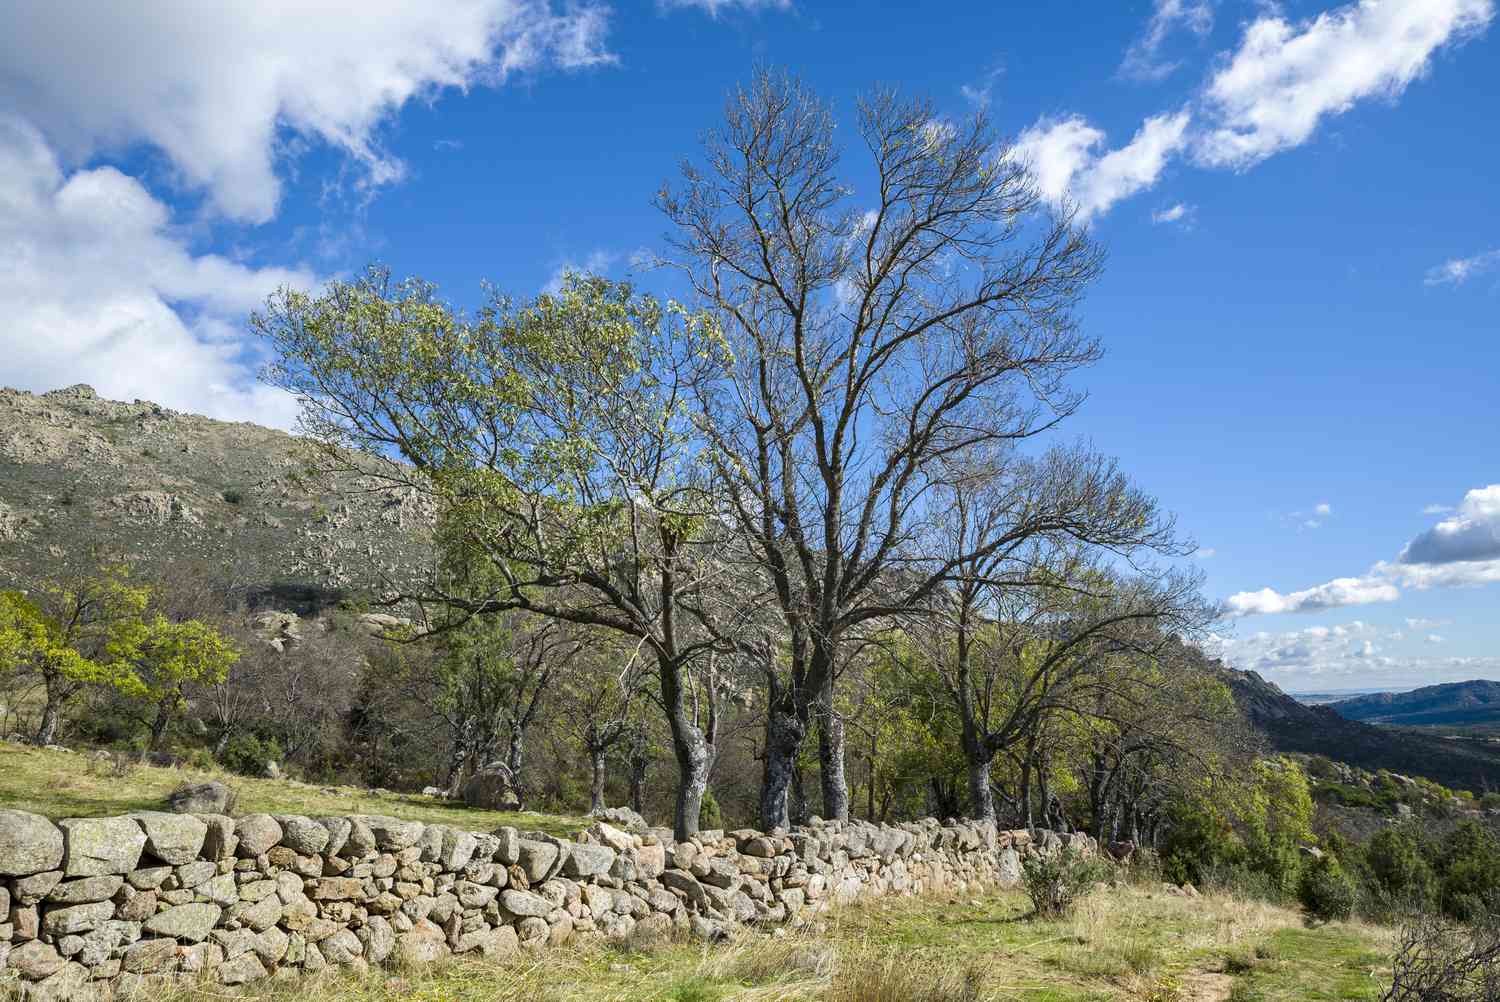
(784,733)
(159,726)
(981,797)
(831,772)
(640,762)
(51,718)
(693,749)
(596,786)
(514,753)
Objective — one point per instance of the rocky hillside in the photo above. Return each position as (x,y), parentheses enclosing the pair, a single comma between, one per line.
(1291,726)
(159,487)
(1452,704)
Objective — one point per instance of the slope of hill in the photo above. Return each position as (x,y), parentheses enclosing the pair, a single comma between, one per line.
(156,486)
(1453,703)
(1317,730)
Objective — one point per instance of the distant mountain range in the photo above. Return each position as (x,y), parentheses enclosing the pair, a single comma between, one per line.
(1291,726)
(1453,704)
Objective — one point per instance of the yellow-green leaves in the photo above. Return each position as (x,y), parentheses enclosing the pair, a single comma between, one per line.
(158,657)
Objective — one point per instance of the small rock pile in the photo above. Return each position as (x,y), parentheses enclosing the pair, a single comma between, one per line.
(96,907)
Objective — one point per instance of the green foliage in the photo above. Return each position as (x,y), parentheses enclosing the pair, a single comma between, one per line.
(1056,882)
(1469,868)
(1398,869)
(709,814)
(163,656)
(1199,840)
(1326,890)
(248,754)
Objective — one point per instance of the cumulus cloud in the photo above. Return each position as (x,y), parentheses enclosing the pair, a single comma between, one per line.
(1335,594)
(1142,59)
(1471,534)
(100,288)
(1460,551)
(1285,78)
(1460,270)
(1065,159)
(1347,654)
(218,89)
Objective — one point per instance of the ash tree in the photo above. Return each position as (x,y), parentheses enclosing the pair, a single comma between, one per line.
(1048,609)
(555,439)
(878,339)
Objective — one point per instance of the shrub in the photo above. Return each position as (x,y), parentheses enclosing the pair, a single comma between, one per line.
(1326,891)
(247,754)
(1057,881)
(233,495)
(1437,961)
(1397,868)
(709,815)
(1470,867)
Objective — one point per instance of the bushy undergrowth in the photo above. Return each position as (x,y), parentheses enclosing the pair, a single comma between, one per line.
(1056,882)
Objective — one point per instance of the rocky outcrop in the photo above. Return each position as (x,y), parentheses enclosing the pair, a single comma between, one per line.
(100,903)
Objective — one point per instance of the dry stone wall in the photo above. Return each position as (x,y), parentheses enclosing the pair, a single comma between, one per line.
(93,908)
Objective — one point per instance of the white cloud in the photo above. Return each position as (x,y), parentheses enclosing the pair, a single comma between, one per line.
(1325,509)
(1335,594)
(1205,553)
(1433,638)
(1178,213)
(713,8)
(1285,78)
(1142,60)
(219,89)
(1460,270)
(1345,655)
(980,94)
(597,262)
(1471,534)
(1460,551)
(1064,158)
(100,289)
(1437,509)
(1426,624)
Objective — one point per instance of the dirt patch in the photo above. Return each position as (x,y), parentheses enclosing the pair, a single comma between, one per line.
(1205,986)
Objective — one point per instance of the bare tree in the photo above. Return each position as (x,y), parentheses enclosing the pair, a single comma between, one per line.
(872,341)
(1438,961)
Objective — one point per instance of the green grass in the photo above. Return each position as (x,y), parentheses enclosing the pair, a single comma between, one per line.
(63,784)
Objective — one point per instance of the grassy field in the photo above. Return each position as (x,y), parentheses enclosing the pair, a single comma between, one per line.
(62,784)
(1122,944)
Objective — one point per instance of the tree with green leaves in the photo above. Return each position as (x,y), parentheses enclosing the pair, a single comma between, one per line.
(72,633)
(163,659)
(554,437)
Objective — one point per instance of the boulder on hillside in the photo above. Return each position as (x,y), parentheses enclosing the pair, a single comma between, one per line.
(622,817)
(202,798)
(493,789)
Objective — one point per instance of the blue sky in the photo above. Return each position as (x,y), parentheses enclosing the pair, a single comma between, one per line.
(1299,202)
